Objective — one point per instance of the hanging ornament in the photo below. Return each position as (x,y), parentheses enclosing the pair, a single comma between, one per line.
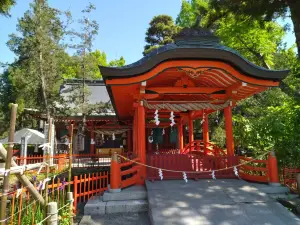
(150,139)
(236,172)
(157,122)
(163,132)
(217,120)
(19,191)
(113,136)
(213,175)
(202,121)
(160,174)
(185,177)
(172,119)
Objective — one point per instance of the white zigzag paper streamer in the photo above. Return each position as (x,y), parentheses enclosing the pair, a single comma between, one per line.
(19,191)
(172,119)
(236,172)
(185,177)
(160,174)
(157,122)
(213,175)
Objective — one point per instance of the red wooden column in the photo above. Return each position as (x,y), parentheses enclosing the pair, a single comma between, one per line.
(180,136)
(92,144)
(205,132)
(191,131)
(229,133)
(129,141)
(141,141)
(134,131)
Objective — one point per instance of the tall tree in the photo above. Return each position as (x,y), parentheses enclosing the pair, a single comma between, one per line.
(38,48)
(254,41)
(5,6)
(264,10)
(161,31)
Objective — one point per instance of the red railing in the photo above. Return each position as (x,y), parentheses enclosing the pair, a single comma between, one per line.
(289,178)
(189,162)
(78,160)
(124,173)
(86,186)
(83,187)
(256,170)
(165,151)
(198,147)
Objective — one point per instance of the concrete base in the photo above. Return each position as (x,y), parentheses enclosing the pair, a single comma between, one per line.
(275,184)
(114,190)
(132,199)
(271,189)
(126,206)
(95,206)
(132,193)
(87,220)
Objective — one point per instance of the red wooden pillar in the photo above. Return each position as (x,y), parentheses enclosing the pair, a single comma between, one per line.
(141,144)
(92,144)
(180,136)
(205,132)
(134,131)
(273,169)
(229,133)
(191,131)
(129,141)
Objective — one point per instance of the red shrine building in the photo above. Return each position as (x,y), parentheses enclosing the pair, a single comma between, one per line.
(156,99)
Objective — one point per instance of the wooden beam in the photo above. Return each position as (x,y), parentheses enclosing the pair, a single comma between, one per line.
(180,90)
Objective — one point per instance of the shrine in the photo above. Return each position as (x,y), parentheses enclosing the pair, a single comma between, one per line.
(170,88)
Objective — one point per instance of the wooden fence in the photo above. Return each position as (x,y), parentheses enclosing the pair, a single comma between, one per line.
(25,211)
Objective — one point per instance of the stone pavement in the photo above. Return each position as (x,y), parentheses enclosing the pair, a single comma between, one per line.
(214,202)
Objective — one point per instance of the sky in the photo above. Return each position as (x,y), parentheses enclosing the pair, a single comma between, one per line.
(122,24)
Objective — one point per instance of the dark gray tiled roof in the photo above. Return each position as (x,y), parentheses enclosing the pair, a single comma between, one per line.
(96,88)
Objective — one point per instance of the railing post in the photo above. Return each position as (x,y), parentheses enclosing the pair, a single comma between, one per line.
(273,169)
(115,174)
(70,199)
(52,212)
(75,182)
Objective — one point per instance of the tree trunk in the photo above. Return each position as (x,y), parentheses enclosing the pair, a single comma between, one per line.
(295,16)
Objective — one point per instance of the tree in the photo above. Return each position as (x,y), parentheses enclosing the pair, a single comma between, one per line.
(264,10)
(39,52)
(5,6)
(247,37)
(161,31)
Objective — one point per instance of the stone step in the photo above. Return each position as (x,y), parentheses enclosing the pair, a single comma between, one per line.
(96,206)
(131,193)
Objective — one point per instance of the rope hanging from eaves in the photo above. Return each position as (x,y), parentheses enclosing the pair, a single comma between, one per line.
(186,106)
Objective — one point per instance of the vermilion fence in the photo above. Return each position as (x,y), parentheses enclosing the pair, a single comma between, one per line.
(289,178)
(78,160)
(254,170)
(83,187)
(195,163)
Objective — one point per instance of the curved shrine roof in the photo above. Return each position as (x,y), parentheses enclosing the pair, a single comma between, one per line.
(193,44)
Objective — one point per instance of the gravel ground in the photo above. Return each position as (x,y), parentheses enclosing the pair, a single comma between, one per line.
(123,219)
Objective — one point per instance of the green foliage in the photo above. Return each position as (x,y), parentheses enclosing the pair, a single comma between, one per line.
(263,10)
(5,6)
(37,46)
(161,31)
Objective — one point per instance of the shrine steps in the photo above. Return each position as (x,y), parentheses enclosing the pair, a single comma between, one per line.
(132,199)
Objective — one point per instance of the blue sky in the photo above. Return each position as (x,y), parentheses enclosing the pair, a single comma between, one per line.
(122,24)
